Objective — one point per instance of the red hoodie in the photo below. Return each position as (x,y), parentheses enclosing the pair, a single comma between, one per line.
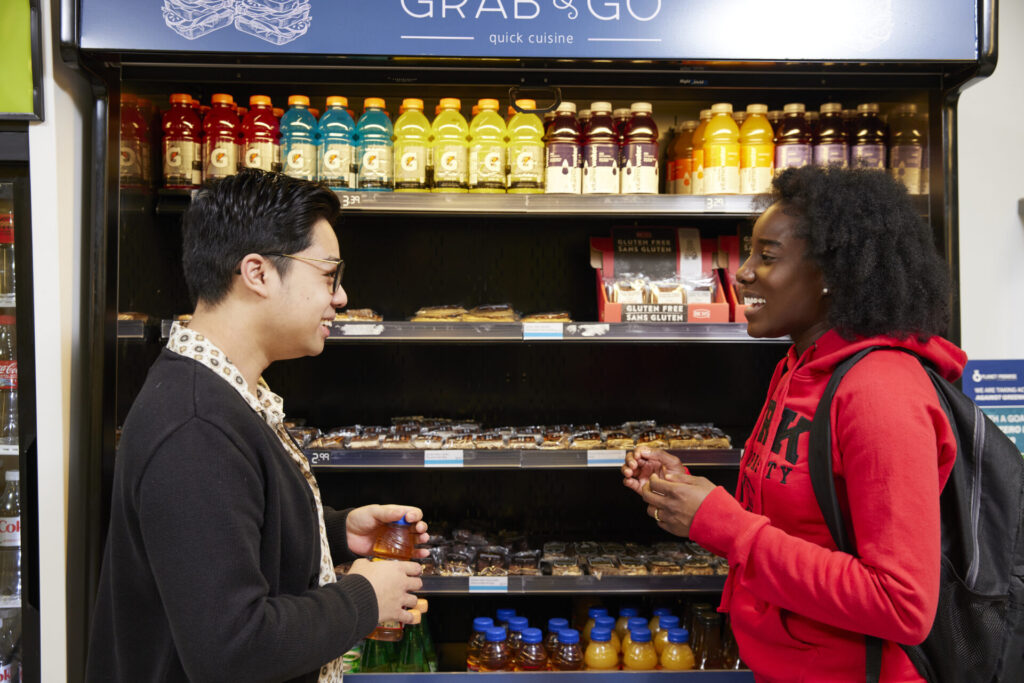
(799,607)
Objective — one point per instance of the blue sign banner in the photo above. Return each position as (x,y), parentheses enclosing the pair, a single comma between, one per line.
(998,387)
(775,30)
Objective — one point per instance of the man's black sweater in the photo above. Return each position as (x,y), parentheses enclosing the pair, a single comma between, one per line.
(213,555)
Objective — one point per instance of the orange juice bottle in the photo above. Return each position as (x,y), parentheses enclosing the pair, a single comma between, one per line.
(640,654)
(677,655)
(698,152)
(601,655)
(394,542)
(609,623)
(622,624)
(721,152)
(592,614)
(666,624)
(757,151)
(655,623)
(632,624)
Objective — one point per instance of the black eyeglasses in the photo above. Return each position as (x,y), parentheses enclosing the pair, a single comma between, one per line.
(338,272)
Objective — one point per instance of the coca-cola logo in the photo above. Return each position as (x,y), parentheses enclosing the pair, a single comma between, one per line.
(9,374)
(10,525)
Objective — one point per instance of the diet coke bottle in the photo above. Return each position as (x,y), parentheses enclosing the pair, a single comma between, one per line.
(8,382)
(6,249)
(10,536)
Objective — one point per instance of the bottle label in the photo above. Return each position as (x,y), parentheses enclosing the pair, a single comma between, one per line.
(562,168)
(259,155)
(698,171)
(221,158)
(601,168)
(832,155)
(336,164)
(905,165)
(300,160)
(197,163)
(451,166)
(722,169)
(8,374)
(792,156)
(640,173)
(179,159)
(131,164)
(526,166)
(411,167)
(374,167)
(6,228)
(487,166)
(7,672)
(868,156)
(10,532)
(757,166)
(680,174)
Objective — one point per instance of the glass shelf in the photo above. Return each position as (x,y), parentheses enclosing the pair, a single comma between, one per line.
(569,585)
(356,459)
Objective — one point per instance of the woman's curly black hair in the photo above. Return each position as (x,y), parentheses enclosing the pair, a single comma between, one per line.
(877,255)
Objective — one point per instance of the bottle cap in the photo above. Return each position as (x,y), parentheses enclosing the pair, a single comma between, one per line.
(504,614)
(627,612)
(526,104)
(222,98)
(705,114)
(721,108)
(518,623)
(181,98)
(532,635)
(812,116)
(601,106)
(567,106)
(640,635)
(635,623)
(488,103)
(661,611)
(831,108)
(642,106)
(568,636)
(668,622)
(690,126)
(595,612)
(261,100)
(600,635)
(757,108)
(451,103)
(495,634)
(604,622)
(315,112)
(278,112)
(6,319)
(621,113)
(298,99)
(775,114)
(12,475)
(794,108)
(377,102)
(868,107)
(337,100)
(678,635)
(481,624)
(556,624)
(401,522)
(585,113)
(413,103)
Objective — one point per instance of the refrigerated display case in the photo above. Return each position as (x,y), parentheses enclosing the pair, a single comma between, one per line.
(532,251)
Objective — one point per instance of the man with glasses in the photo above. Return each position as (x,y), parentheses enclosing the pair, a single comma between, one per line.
(220,558)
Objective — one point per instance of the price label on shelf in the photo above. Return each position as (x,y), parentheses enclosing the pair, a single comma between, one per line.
(542,331)
(488,584)
(442,458)
(362,330)
(714,204)
(349,199)
(611,458)
(319,457)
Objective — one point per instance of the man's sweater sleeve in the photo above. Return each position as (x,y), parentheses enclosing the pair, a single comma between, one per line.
(200,503)
(337,535)
(888,445)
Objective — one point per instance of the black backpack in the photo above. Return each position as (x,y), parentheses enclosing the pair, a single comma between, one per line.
(978,633)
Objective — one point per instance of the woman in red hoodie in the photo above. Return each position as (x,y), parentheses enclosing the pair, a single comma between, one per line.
(839,261)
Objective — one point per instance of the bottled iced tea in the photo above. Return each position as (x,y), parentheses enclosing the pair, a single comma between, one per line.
(555,625)
(476,642)
(394,542)
(569,655)
(532,656)
(514,640)
(494,654)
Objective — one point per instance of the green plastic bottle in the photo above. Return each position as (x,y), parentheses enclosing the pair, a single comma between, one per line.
(526,151)
(378,656)
(412,145)
(451,148)
(411,655)
(487,149)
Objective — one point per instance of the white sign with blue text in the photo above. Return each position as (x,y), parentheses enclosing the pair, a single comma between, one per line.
(997,386)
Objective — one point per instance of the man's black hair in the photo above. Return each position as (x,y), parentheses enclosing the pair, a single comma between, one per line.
(876,253)
(253,212)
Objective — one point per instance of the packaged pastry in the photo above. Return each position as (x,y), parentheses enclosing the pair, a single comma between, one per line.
(553,317)
(525,563)
(661,565)
(554,550)
(654,438)
(358,315)
(407,420)
(634,427)
(602,565)
(461,442)
(698,566)
(685,437)
(586,548)
(668,291)
(428,441)
(713,437)
(586,440)
(489,441)
(566,567)
(492,556)
(632,566)
(701,290)
(615,549)
(328,442)
(721,566)
(369,438)
(523,442)
(493,313)
(396,441)
(555,440)
(457,564)
(627,289)
(618,440)
(439,314)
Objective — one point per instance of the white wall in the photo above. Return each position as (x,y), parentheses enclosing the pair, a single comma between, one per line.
(991,143)
(57,163)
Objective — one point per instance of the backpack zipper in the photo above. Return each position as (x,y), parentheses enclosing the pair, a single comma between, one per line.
(979,445)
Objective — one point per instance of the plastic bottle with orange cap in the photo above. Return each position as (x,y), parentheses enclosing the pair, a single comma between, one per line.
(451,148)
(298,139)
(221,125)
(181,144)
(412,147)
(487,149)
(260,136)
(374,167)
(336,131)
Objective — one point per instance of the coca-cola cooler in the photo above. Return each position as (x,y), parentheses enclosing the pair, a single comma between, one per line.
(534,251)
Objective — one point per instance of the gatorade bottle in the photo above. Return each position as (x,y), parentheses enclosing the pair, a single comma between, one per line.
(151,116)
(867,148)
(757,151)
(134,140)
(906,147)
(197,167)
(181,143)
(451,148)
(412,141)
(298,139)
(260,130)
(374,147)
(832,148)
(792,139)
(525,151)
(600,151)
(562,159)
(680,166)
(337,147)
(487,149)
(640,150)
(721,152)
(220,152)
(697,173)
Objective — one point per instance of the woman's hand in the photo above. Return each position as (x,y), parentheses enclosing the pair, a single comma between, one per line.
(363,524)
(645,461)
(673,500)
